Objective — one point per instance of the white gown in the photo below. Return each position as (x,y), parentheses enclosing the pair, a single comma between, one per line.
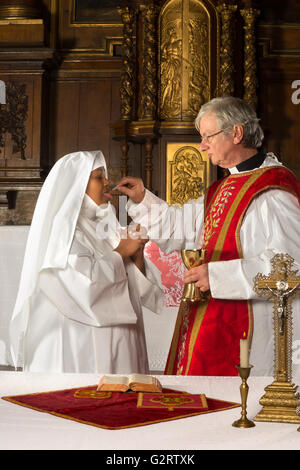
(271,225)
(88,316)
(79,306)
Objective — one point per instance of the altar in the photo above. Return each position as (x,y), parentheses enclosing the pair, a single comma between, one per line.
(23,428)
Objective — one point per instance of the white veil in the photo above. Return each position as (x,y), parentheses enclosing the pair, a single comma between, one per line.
(52,230)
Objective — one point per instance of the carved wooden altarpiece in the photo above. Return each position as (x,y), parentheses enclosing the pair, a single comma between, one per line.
(178,54)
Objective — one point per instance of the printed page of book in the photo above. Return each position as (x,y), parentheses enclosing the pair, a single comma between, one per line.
(111,379)
(139,382)
(141,378)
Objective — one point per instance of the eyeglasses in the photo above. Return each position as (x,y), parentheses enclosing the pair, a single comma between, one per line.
(208,138)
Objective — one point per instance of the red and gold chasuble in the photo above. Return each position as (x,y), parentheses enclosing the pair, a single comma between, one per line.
(206,335)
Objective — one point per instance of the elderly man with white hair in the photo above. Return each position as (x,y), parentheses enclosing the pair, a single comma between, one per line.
(243,220)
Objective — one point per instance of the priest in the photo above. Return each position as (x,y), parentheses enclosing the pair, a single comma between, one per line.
(82,288)
(241,222)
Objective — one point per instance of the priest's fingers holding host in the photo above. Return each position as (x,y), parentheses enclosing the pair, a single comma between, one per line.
(132,187)
(137,232)
(199,275)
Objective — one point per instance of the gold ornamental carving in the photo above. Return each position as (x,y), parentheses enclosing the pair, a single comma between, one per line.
(281,401)
(127,89)
(13,117)
(187,173)
(227,13)
(184,59)
(250,77)
(148,105)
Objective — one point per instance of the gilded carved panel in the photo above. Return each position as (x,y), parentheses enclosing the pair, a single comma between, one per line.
(184,49)
(188,172)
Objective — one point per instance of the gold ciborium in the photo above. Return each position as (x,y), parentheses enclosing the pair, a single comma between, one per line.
(191,258)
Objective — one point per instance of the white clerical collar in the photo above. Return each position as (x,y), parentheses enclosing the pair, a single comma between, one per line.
(233,170)
(250,164)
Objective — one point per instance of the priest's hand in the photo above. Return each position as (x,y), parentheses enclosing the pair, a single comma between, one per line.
(132,187)
(135,231)
(199,275)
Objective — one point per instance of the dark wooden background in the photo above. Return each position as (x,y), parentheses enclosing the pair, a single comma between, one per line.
(72,70)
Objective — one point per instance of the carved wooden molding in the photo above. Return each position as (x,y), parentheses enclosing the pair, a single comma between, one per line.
(250,76)
(128,77)
(147,109)
(20,10)
(8,199)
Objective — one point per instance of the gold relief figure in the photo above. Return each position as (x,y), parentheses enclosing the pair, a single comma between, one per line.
(198,63)
(187,176)
(184,59)
(170,103)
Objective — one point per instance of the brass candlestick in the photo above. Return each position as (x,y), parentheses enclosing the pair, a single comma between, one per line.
(244,422)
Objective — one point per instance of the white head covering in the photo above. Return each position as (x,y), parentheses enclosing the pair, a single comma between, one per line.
(100,225)
(52,229)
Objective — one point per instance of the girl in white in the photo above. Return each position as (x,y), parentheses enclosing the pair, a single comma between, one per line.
(79,305)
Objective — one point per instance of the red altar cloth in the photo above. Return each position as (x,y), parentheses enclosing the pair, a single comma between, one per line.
(117,410)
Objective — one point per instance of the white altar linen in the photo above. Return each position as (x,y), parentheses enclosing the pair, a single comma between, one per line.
(26,429)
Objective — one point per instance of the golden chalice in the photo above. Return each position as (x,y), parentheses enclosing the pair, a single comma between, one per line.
(190,258)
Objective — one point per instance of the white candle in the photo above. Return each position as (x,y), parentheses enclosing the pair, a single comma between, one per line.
(244,352)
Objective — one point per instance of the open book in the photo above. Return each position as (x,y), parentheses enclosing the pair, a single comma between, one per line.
(135,382)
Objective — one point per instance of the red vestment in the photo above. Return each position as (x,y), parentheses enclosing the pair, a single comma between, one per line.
(206,335)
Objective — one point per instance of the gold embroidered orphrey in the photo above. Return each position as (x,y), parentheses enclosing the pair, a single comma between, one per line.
(281,400)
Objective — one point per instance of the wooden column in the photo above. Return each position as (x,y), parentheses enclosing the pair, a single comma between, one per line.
(128,77)
(250,76)
(227,13)
(148,103)
(148,162)
(149,85)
